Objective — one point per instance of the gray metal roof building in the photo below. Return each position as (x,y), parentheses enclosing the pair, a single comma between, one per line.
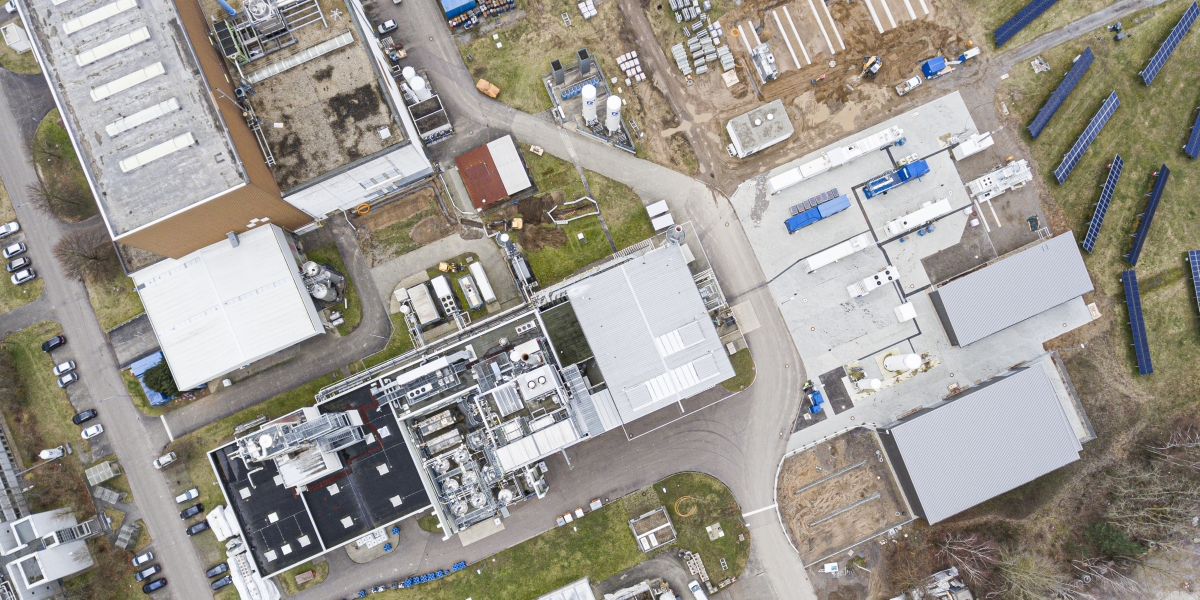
(759,129)
(1011,290)
(981,443)
(650,333)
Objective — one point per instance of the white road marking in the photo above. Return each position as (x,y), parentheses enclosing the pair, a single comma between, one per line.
(167,427)
(874,16)
(833,23)
(821,23)
(979,211)
(797,34)
(755,512)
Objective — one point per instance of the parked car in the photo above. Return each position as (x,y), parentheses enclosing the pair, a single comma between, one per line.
(18,263)
(191,511)
(10,228)
(53,343)
(68,379)
(164,460)
(217,570)
(146,573)
(387,26)
(197,528)
(143,558)
(23,276)
(154,586)
(84,416)
(222,582)
(697,592)
(64,368)
(11,6)
(12,250)
(92,432)
(191,494)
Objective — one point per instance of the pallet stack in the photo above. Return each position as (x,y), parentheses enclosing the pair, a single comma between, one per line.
(632,65)
(587,8)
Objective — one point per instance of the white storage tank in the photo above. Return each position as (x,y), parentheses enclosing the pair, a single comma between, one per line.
(613,121)
(409,73)
(589,103)
(869,385)
(419,89)
(902,362)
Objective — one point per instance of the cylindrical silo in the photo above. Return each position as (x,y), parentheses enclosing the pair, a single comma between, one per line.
(902,362)
(408,73)
(613,122)
(321,291)
(868,385)
(419,90)
(589,104)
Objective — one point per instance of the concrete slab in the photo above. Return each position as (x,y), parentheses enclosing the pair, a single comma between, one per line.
(480,530)
(747,319)
(942,181)
(908,252)
(390,273)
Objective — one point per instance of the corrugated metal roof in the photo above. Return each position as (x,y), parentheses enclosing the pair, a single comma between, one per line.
(509,165)
(627,310)
(986,441)
(1016,288)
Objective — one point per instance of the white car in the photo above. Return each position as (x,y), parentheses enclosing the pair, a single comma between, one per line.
(23,276)
(191,494)
(164,460)
(8,229)
(64,368)
(92,432)
(142,559)
(12,250)
(696,590)
(387,26)
(67,379)
(11,7)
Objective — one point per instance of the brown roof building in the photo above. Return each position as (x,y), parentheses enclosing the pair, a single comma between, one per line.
(493,172)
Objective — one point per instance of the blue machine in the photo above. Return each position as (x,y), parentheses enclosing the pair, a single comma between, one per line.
(934,67)
(818,402)
(816,213)
(453,8)
(894,179)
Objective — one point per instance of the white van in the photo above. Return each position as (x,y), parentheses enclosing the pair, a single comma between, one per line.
(697,591)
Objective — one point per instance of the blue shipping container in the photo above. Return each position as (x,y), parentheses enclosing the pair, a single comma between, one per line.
(914,170)
(816,213)
(933,66)
(453,8)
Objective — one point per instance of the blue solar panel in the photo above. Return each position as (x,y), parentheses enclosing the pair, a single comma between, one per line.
(1139,238)
(1133,301)
(1061,93)
(1194,260)
(1085,139)
(1192,148)
(1024,17)
(1168,46)
(1106,192)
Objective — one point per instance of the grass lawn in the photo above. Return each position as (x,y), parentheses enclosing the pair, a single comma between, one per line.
(116,517)
(397,345)
(143,537)
(46,420)
(743,368)
(24,63)
(12,296)
(622,209)
(430,523)
(287,580)
(113,298)
(329,255)
(992,14)
(54,152)
(138,396)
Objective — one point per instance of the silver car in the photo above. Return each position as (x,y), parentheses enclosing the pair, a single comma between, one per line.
(10,228)
(64,368)
(14,249)
(23,276)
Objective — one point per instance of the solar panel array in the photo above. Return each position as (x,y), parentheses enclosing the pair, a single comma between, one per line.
(1133,301)
(1085,139)
(1194,260)
(1139,238)
(1024,17)
(1168,46)
(1060,94)
(1106,192)
(1192,148)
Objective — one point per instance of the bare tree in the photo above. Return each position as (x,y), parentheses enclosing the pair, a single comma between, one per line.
(58,192)
(1182,449)
(86,253)
(1151,503)
(1025,575)
(974,555)
(1106,575)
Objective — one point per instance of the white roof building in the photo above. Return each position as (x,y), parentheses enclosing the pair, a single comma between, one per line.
(223,307)
(59,550)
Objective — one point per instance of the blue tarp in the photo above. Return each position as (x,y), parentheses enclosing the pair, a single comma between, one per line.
(139,368)
(933,66)
(453,8)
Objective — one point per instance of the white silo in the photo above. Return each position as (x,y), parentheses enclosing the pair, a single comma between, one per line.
(321,291)
(589,104)
(868,385)
(408,73)
(613,122)
(419,90)
(902,362)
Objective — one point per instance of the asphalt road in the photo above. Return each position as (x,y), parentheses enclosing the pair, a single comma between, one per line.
(136,439)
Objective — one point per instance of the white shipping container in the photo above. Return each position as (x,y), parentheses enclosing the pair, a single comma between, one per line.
(482,282)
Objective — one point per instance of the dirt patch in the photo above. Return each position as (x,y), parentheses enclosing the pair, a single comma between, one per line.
(398,210)
(431,229)
(837,494)
(536,237)
(357,104)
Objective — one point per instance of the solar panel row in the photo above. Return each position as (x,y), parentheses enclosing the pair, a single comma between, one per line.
(1060,94)
(1139,238)
(1194,260)
(1024,17)
(1168,46)
(1133,301)
(1106,193)
(1085,139)
(1192,148)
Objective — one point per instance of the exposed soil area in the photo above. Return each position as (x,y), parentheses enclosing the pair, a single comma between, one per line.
(539,231)
(403,225)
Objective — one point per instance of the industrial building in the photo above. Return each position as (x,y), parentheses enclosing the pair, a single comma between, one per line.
(759,129)
(1011,290)
(225,306)
(493,172)
(205,96)
(42,549)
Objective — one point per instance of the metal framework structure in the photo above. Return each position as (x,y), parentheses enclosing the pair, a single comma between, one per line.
(1139,238)
(1064,89)
(1071,158)
(1133,301)
(1168,46)
(1106,192)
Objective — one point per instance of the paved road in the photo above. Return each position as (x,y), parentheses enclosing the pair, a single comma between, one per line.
(135,438)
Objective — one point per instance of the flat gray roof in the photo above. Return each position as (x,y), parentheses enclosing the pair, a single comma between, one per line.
(981,443)
(762,127)
(647,327)
(133,197)
(1011,290)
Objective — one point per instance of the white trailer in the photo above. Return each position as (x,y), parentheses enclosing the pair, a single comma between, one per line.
(838,252)
(973,145)
(836,158)
(928,212)
(482,282)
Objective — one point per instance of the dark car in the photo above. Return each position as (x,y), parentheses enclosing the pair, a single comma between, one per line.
(222,582)
(19,263)
(84,416)
(217,570)
(197,528)
(146,573)
(53,343)
(191,511)
(155,585)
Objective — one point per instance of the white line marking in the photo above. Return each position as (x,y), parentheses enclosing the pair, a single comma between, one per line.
(874,16)
(993,209)
(833,23)
(979,211)
(887,11)
(821,23)
(168,428)
(757,42)
(797,34)
(755,512)
(912,15)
